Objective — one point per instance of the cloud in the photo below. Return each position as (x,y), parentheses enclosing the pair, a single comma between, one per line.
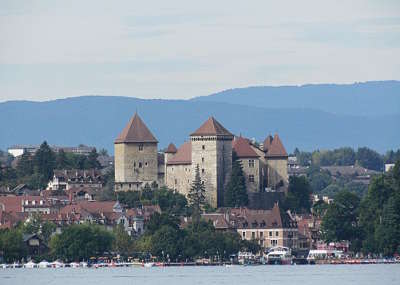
(177,49)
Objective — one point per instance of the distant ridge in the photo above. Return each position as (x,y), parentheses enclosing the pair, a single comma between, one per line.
(98,120)
(362,99)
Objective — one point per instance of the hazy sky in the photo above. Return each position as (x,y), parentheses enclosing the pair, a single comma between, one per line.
(181,49)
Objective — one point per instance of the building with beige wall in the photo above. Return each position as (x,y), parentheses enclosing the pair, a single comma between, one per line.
(137,161)
(136,157)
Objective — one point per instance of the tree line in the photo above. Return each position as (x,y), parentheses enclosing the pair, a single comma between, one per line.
(371,223)
(36,169)
(363,156)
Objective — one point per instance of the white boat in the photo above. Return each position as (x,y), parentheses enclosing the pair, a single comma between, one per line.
(149,264)
(57,264)
(43,264)
(83,264)
(74,264)
(279,255)
(321,255)
(30,264)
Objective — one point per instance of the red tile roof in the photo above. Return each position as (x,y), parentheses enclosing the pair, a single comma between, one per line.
(11,203)
(275,148)
(211,127)
(171,148)
(183,155)
(242,148)
(267,142)
(136,132)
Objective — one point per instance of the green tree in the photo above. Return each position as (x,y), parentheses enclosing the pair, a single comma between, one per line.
(123,243)
(36,225)
(166,241)
(44,161)
(80,242)
(236,192)
(341,219)
(369,159)
(91,161)
(25,165)
(12,245)
(196,195)
(61,160)
(298,198)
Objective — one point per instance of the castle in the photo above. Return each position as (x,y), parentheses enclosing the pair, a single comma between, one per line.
(211,147)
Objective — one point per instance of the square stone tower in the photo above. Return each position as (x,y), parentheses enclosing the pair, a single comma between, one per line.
(212,152)
(277,158)
(135,152)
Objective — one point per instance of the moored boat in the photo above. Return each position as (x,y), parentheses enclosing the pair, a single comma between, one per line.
(279,255)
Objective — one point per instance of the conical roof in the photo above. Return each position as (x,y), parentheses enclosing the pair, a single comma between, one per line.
(136,132)
(211,127)
(267,143)
(171,148)
(276,149)
(242,148)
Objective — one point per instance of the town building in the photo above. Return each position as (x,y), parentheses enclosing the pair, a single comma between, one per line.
(75,178)
(18,150)
(269,227)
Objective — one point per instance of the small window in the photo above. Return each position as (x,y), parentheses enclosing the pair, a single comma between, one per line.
(243,234)
(270,234)
(253,235)
(251,178)
(276,233)
(251,163)
(140,147)
(202,159)
(203,147)
(202,170)
(134,164)
(261,234)
(145,164)
(130,185)
(176,181)
(140,165)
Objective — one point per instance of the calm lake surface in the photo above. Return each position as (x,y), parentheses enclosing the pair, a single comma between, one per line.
(317,274)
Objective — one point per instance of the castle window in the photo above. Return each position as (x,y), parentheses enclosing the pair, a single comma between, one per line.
(203,147)
(140,147)
(251,178)
(251,163)
(202,159)
(202,170)
(140,165)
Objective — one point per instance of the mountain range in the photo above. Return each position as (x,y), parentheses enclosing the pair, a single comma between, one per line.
(309,117)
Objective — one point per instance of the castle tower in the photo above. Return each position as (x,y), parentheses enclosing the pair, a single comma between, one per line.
(135,152)
(277,158)
(212,152)
(168,154)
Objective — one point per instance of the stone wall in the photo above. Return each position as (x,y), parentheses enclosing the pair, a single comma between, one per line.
(277,171)
(254,170)
(179,177)
(135,165)
(213,155)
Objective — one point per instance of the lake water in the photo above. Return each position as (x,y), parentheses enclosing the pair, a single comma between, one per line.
(384,274)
